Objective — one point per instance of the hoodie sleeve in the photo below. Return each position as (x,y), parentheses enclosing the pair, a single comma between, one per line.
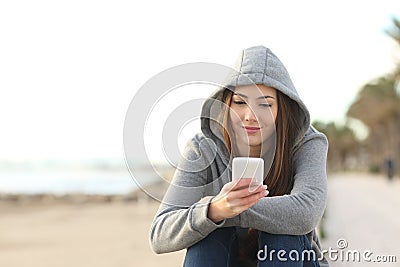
(299,212)
(181,219)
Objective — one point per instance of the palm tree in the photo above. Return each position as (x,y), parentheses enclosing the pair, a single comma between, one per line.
(378,107)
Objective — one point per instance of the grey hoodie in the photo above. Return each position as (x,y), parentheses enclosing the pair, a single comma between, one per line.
(182,220)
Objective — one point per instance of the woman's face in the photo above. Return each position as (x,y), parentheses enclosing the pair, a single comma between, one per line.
(252,114)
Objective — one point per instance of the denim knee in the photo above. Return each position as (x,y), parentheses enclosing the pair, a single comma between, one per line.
(219,248)
(285,241)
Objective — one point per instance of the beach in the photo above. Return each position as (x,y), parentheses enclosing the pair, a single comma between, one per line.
(91,234)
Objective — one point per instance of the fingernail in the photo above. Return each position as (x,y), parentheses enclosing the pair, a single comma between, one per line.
(265,186)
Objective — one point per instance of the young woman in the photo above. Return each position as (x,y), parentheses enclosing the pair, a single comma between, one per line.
(258,113)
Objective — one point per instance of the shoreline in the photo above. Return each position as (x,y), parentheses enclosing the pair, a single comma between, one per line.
(151,193)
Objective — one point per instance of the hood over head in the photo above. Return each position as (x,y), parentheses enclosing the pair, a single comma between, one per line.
(255,65)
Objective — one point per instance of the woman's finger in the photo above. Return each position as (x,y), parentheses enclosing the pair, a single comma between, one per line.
(246,191)
(241,204)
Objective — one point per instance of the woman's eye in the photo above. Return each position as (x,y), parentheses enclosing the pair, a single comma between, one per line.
(266,105)
(239,102)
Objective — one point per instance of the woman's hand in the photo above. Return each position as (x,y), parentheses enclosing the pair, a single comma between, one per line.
(234,198)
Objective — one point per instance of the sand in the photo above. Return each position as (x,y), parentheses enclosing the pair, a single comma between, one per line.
(93,234)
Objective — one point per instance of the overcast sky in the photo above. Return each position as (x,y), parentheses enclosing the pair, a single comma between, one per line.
(69,69)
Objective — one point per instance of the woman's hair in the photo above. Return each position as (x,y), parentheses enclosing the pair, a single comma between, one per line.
(289,129)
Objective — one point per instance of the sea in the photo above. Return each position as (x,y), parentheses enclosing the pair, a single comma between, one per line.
(59,182)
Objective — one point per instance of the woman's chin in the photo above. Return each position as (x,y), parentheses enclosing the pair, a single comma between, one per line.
(251,142)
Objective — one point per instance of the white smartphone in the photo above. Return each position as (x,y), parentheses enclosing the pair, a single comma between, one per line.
(246,167)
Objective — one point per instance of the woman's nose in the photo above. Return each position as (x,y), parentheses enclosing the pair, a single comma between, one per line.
(249,114)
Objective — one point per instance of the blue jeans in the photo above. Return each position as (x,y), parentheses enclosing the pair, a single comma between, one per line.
(219,249)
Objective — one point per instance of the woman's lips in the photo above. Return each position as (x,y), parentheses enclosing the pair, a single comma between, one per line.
(251,130)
